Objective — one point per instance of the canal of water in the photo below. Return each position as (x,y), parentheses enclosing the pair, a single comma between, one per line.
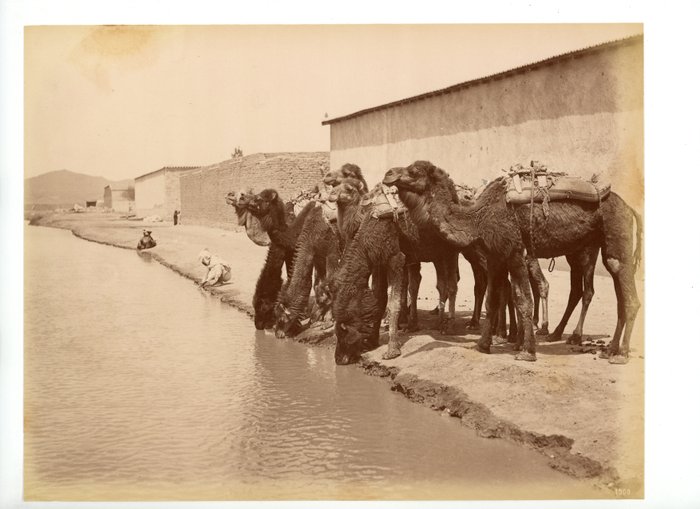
(140,387)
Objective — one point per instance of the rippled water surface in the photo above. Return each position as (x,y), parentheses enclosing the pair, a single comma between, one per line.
(138,386)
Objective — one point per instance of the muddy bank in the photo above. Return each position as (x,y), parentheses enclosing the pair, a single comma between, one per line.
(584,414)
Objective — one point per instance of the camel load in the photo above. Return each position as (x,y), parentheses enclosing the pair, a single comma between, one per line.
(385,202)
(537,184)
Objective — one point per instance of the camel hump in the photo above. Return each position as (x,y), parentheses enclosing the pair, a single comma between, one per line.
(553,188)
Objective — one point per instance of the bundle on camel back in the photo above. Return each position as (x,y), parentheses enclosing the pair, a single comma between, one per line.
(506,230)
(536,184)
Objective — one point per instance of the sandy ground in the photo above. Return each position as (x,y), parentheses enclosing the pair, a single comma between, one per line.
(585,414)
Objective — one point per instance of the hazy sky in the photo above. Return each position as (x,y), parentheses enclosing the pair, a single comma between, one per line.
(123,101)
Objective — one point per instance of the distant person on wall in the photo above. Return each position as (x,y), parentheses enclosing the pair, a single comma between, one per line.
(176,215)
(219,270)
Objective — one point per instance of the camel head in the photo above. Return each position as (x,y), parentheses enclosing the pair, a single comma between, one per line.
(358,332)
(420,185)
(264,203)
(415,178)
(285,324)
(264,315)
(348,170)
(240,201)
(348,190)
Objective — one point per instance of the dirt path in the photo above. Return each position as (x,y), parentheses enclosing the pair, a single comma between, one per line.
(586,415)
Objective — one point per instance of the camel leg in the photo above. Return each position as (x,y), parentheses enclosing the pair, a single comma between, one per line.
(615,342)
(513,317)
(403,314)
(505,308)
(520,331)
(441,277)
(575,294)
(414,279)
(289,264)
(480,283)
(577,337)
(396,281)
(540,294)
(496,273)
(517,267)
(319,269)
(586,262)
(632,304)
(379,287)
(332,259)
(452,286)
(535,301)
(620,258)
(505,304)
(628,306)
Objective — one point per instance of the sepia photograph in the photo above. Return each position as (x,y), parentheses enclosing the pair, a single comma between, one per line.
(333,262)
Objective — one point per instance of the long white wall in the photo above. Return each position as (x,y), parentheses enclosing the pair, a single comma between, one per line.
(581,115)
(608,144)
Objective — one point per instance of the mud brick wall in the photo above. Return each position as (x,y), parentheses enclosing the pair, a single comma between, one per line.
(202,192)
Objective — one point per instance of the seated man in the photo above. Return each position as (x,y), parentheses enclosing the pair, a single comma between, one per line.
(219,270)
(146,242)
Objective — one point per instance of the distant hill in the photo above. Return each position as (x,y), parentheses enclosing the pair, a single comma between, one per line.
(65,187)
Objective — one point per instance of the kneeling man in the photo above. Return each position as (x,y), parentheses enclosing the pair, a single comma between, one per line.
(219,270)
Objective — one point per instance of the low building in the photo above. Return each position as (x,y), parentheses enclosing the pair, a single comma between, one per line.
(203,191)
(119,199)
(580,112)
(158,192)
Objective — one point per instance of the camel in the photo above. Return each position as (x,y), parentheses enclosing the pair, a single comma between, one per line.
(540,287)
(504,231)
(317,245)
(350,213)
(319,242)
(348,192)
(268,209)
(356,309)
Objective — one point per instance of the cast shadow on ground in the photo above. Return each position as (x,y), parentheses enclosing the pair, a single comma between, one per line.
(467,337)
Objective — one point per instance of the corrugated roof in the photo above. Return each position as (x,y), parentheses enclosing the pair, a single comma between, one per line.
(167,168)
(493,77)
